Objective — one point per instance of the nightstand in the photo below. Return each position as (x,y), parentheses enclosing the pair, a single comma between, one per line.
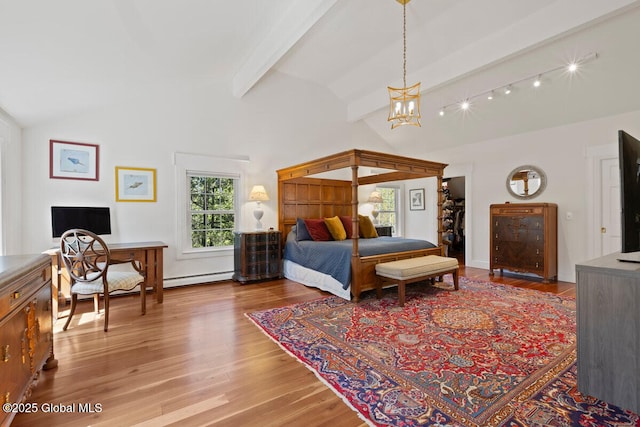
(384,230)
(257,256)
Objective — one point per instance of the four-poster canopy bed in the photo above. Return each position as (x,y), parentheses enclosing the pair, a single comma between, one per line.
(301,196)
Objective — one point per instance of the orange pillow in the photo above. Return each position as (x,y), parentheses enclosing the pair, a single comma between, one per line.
(367,229)
(336,228)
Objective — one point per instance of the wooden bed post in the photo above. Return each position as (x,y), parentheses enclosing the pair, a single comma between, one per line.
(440,215)
(355,229)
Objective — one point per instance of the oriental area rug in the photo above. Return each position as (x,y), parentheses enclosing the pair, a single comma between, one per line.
(485,355)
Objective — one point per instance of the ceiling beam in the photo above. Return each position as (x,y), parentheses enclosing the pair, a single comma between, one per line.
(295,22)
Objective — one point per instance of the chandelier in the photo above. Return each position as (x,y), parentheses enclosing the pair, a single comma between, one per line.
(404,106)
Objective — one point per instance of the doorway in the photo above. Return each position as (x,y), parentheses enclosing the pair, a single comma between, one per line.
(454,208)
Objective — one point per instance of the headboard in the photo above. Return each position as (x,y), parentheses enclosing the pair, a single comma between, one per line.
(312,198)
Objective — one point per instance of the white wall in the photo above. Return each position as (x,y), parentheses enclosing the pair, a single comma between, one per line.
(273,130)
(11,189)
(561,152)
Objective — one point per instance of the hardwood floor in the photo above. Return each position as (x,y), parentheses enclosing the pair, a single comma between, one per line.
(195,360)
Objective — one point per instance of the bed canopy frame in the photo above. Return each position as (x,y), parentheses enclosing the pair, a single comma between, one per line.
(302,196)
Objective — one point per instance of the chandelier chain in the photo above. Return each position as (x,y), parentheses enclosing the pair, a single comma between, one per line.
(404,41)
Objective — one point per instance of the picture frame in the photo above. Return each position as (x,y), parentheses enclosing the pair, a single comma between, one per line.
(135,184)
(74,160)
(416,199)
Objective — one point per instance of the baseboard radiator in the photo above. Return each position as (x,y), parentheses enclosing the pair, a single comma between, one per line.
(173,282)
(197,279)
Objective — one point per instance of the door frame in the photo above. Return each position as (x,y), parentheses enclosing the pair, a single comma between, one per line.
(466,170)
(595,155)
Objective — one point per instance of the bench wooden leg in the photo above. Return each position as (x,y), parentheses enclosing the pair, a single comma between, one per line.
(379,283)
(401,292)
(455,279)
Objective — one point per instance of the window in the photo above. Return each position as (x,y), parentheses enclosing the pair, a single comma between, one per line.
(212,210)
(388,209)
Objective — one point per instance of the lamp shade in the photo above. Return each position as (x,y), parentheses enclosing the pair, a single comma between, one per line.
(375,197)
(258,193)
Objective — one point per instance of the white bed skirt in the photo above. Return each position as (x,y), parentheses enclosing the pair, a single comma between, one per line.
(313,278)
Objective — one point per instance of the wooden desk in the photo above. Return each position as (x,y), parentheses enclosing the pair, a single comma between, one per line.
(149,254)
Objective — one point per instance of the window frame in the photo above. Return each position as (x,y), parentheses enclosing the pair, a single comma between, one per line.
(211,166)
(397,227)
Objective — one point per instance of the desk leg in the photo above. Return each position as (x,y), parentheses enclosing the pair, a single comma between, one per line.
(143,296)
(150,269)
(159,273)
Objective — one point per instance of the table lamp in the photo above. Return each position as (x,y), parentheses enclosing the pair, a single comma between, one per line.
(259,194)
(375,198)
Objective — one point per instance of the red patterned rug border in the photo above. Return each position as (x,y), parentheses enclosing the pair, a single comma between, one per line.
(311,368)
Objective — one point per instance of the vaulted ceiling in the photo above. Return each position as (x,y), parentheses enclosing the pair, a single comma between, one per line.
(64,56)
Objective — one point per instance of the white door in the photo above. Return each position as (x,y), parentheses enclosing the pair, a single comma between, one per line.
(610,206)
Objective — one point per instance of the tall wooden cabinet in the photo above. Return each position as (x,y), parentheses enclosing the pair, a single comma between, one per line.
(257,256)
(524,239)
(26,326)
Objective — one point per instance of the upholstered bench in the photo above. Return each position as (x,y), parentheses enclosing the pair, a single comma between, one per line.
(412,270)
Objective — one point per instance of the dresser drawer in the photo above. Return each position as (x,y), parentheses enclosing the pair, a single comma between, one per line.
(21,290)
(511,211)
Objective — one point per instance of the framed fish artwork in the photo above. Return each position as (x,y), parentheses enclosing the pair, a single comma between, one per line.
(135,184)
(74,160)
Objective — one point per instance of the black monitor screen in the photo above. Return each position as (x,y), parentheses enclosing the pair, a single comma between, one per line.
(630,191)
(95,219)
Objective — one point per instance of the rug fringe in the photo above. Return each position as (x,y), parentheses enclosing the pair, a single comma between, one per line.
(316,373)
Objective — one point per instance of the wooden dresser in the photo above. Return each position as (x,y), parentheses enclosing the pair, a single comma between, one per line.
(524,239)
(26,326)
(257,256)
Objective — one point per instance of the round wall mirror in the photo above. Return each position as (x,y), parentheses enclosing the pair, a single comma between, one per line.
(526,182)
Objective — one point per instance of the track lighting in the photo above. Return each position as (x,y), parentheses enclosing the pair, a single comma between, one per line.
(535,80)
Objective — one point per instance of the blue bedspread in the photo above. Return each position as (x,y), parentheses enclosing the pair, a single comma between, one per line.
(334,257)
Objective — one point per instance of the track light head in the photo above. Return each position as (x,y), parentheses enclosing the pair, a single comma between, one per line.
(537,82)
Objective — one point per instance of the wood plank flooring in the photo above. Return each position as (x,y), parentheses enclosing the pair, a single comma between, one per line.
(195,360)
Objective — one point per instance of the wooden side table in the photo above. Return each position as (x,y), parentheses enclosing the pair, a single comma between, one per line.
(257,256)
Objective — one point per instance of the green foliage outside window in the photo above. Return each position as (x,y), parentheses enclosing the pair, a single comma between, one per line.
(212,211)
(388,211)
